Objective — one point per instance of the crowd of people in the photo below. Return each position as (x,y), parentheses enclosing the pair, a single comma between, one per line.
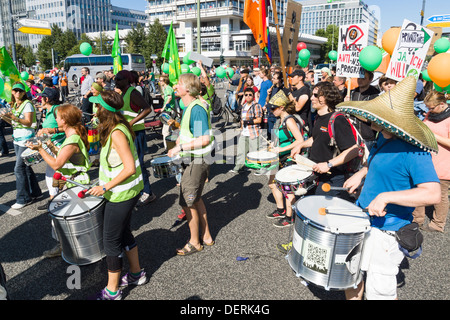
(285,113)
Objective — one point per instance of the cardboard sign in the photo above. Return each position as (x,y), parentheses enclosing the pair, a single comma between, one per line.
(205,60)
(352,39)
(290,34)
(410,51)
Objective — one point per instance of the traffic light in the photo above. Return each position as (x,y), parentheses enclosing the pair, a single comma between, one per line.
(222,59)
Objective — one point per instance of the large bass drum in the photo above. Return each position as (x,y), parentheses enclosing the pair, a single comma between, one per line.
(326,249)
(78,223)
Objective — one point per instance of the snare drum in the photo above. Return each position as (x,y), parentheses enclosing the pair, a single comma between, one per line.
(164,167)
(262,160)
(292,178)
(327,248)
(165,117)
(31,157)
(78,224)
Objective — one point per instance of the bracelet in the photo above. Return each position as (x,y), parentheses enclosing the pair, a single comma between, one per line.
(104,189)
(56,130)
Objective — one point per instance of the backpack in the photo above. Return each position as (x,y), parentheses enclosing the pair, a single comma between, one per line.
(300,124)
(147,95)
(356,163)
(216,104)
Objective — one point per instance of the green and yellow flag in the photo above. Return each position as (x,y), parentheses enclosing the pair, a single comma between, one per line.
(9,75)
(117,64)
(170,54)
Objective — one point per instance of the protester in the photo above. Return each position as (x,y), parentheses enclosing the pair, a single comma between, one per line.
(63,85)
(438,120)
(398,177)
(277,84)
(135,109)
(339,82)
(120,184)
(301,95)
(194,144)
(86,106)
(168,105)
(386,84)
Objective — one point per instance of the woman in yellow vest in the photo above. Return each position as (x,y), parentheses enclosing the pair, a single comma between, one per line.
(23,121)
(120,183)
(72,158)
(194,143)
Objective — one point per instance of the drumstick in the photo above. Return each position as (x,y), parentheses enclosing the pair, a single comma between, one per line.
(326,187)
(304,163)
(59,176)
(323,211)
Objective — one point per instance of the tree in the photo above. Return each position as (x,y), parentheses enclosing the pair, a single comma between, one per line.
(332,34)
(75,49)
(135,40)
(156,40)
(59,42)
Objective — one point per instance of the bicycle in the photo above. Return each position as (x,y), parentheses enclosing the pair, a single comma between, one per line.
(221,120)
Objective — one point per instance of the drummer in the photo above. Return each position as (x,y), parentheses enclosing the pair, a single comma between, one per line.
(168,105)
(23,121)
(50,102)
(289,136)
(399,176)
(120,183)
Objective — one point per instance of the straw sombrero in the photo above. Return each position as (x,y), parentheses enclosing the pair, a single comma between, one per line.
(279,99)
(394,111)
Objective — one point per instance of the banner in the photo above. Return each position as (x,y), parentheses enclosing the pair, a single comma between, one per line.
(410,51)
(352,39)
(9,74)
(290,34)
(170,54)
(256,17)
(115,53)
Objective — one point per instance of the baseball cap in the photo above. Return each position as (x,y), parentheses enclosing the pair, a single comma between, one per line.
(18,86)
(50,93)
(124,74)
(297,72)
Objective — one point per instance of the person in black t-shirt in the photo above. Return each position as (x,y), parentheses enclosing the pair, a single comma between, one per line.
(301,94)
(329,165)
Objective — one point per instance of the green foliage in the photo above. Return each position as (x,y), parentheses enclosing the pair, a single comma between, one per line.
(332,34)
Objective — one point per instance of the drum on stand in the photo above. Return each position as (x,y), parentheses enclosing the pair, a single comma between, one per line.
(262,160)
(78,223)
(326,249)
(164,167)
(295,177)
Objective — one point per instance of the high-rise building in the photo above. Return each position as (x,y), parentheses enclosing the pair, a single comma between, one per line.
(127,18)
(318,14)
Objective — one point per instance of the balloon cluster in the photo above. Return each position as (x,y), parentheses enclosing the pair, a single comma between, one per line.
(303,55)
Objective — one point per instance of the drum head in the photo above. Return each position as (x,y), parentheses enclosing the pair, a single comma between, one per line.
(347,217)
(172,137)
(68,204)
(262,156)
(28,151)
(162,159)
(293,174)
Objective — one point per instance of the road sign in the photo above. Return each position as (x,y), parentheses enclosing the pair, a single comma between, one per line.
(440,18)
(439,24)
(45,32)
(34,26)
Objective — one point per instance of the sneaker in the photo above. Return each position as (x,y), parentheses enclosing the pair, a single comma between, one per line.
(44,207)
(146,199)
(284,222)
(260,172)
(54,252)
(19,205)
(284,248)
(38,198)
(235,171)
(182,215)
(129,279)
(276,215)
(105,295)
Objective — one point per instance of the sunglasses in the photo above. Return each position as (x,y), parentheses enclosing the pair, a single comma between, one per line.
(248,95)
(316,95)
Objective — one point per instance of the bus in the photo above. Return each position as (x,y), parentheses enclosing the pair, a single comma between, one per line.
(100,63)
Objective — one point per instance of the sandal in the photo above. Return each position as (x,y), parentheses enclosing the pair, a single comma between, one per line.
(185,252)
(209,244)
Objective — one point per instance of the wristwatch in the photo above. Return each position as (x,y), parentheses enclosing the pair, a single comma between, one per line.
(329,164)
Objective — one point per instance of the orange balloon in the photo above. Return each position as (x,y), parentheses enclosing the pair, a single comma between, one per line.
(41,76)
(389,39)
(438,69)
(30,77)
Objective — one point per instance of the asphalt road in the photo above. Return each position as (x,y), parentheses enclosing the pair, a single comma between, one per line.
(236,204)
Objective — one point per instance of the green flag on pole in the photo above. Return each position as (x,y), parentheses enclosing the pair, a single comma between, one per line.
(170,54)
(9,74)
(117,65)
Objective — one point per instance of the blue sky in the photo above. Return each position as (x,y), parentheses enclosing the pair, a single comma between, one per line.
(392,12)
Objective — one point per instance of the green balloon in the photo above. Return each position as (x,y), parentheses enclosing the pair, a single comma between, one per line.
(440,89)
(197,71)
(185,68)
(304,54)
(85,48)
(333,55)
(303,63)
(165,67)
(442,45)
(230,72)
(24,75)
(2,85)
(181,104)
(186,59)
(370,58)
(425,75)
(220,72)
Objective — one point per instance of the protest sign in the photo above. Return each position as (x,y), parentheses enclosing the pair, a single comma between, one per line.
(410,51)
(352,39)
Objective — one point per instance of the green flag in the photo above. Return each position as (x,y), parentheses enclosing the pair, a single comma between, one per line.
(9,75)
(117,65)
(170,54)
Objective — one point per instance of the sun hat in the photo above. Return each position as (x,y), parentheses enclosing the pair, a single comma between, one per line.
(394,111)
(19,86)
(98,99)
(279,100)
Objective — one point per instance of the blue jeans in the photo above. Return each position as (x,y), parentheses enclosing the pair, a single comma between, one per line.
(3,144)
(232,102)
(26,182)
(141,148)
(271,120)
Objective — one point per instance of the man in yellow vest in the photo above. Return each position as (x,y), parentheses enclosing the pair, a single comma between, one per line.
(135,109)
(194,145)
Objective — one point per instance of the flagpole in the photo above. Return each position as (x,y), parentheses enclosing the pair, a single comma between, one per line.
(275,14)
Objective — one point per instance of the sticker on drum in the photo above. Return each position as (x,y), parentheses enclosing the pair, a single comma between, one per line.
(291,178)
(326,249)
(165,117)
(261,160)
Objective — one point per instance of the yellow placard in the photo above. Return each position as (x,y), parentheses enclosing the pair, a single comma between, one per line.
(439,24)
(46,32)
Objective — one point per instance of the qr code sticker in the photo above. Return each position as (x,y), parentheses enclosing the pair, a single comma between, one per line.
(316,257)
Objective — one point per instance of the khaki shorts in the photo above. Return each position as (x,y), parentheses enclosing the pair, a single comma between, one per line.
(192,182)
